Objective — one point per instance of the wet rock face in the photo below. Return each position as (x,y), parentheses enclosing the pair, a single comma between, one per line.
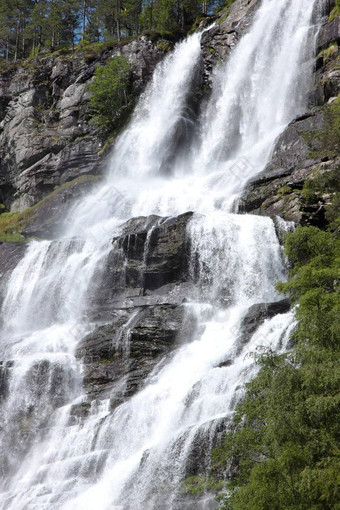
(45,137)
(137,306)
(329,33)
(51,215)
(5,371)
(118,357)
(256,315)
(149,262)
(164,249)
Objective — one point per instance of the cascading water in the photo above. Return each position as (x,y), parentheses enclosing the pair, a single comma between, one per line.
(134,457)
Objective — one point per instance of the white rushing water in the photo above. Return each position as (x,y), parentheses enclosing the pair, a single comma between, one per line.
(166,162)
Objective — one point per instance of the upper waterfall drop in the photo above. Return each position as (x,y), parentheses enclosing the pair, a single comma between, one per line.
(260,89)
(133,456)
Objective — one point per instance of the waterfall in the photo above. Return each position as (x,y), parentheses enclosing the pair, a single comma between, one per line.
(168,161)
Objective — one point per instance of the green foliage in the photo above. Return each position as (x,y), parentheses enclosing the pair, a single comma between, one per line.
(333,212)
(10,227)
(284,190)
(284,443)
(326,184)
(197,485)
(328,138)
(158,35)
(335,11)
(330,52)
(164,46)
(111,94)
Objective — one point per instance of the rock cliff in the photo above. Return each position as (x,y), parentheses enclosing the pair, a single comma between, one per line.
(303,153)
(46,139)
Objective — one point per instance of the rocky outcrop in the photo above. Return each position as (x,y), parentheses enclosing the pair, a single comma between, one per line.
(46,219)
(117,357)
(298,155)
(218,42)
(138,307)
(256,315)
(46,139)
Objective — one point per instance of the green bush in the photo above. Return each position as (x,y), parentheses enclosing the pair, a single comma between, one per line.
(198,485)
(284,190)
(326,183)
(328,138)
(335,11)
(111,93)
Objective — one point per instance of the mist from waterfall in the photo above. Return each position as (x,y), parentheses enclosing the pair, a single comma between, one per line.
(169,160)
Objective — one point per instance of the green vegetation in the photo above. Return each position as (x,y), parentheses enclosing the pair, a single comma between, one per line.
(284,442)
(326,141)
(330,52)
(164,46)
(111,97)
(335,11)
(326,184)
(329,136)
(10,226)
(197,485)
(284,190)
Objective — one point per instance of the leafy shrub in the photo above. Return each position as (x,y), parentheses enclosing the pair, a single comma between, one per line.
(329,136)
(315,186)
(111,93)
(331,51)
(164,46)
(197,485)
(335,11)
(284,190)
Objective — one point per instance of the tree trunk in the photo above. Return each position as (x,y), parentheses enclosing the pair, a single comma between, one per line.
(84,19)
(7,49)
(151,14)
(118,20)
(17,39)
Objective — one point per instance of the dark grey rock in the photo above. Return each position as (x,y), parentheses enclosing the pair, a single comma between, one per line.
(151,253)
(292,147)
(5,368)
(253,319)
(256,315)
(119,356)
(218,42)
(329,33)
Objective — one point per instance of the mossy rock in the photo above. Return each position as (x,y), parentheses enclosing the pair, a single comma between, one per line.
(44,218)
